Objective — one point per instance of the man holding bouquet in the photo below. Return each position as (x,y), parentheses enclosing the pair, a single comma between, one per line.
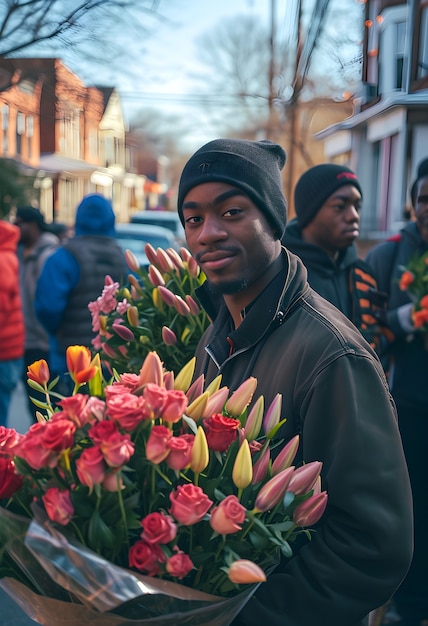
(268,323)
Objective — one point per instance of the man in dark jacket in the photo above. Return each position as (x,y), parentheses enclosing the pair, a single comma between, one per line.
(327,200)
(269,323)
(74,275)
(409,356)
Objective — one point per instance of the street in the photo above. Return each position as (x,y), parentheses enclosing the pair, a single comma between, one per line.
(11,614)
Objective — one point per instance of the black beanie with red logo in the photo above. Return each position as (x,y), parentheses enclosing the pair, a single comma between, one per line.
(316,185)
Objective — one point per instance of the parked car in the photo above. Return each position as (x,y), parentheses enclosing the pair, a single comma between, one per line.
(167,219)
(135,236)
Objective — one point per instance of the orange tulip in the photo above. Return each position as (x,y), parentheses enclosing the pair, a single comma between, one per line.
(244,572)
(79,364)
(39,372)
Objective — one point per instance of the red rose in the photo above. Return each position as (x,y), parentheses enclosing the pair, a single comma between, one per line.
(146,557)
(10,481)
(189,504)
(157,444)
(179,565)
(221,431)
(158,528)
(9,439)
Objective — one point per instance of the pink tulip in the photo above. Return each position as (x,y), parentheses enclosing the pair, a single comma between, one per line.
(273,414)
(304,478)
(152,370)
(272,492)
(216,401)
(242,397)
(310,511)
(287,455)
(261,467)
(244,572)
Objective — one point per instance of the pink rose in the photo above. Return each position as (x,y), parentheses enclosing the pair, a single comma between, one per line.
(227,516)
(130,381)
(113,481)
(127,410)
(94,410)
(117,449)
(58,505)
(157,444)
(10,481)
(189,504)
(146,557)
(155,398)
(58,434)
(175,405)
(32,449)
(73,408)
(158,528)
(179,565)
(180,450)
(103,430)
(9,439)
(221,431)
(90,467)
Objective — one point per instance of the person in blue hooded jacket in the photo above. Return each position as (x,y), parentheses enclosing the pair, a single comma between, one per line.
(73,276)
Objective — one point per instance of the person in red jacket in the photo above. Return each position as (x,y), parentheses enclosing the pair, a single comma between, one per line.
(11,317)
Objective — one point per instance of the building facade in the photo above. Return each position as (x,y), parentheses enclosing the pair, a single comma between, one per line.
(387,135)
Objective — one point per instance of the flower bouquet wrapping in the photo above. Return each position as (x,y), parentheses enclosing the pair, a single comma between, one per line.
(414,280)
(156,310)
(148,500)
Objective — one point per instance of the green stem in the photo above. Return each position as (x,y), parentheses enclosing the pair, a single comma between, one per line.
(122,507)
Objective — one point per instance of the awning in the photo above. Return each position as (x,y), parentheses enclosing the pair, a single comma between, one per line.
(57,164)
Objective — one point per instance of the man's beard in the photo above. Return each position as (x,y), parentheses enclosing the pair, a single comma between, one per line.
(228,288)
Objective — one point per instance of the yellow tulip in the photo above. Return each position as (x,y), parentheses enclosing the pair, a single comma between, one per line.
(242,473)
(200,455)
(196,409)
(184,377)
(242,397)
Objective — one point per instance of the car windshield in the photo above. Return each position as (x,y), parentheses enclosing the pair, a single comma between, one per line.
(137,245)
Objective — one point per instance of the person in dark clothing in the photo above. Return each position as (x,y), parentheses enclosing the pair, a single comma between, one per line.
(409,357)
(74,275)
(267,322)
(36,244)
(327,201)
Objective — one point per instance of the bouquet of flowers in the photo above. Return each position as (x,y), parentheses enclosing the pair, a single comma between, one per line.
(149,499)
(414,280)
(157,310)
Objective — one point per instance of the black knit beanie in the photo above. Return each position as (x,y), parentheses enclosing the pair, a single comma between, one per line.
(316,185)
(253,166)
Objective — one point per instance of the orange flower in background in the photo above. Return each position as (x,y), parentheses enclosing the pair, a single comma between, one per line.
(406,280)
(420,318)
(39,372)
(424,302)
(79,364)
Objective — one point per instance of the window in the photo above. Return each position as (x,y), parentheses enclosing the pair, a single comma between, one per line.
(400,38)
(422,69)
(20,128)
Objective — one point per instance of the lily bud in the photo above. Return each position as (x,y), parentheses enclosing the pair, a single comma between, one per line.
(272,492)
(193,267)
(242,397)
(131,260)
(193,306)
(305,477)
(134,283)
(185,254)
(168,336)
(164,262)
(132,315)
(157,300)
(196,388)
(103,323)
(242,473)
(155,277)
(151,254)
(123,332)
(185,375)
(214,384)
(200,454)
(244,572)
(287,455)
(273,414)
(254,420)
(310,511)
(175,258)
(216,401)
(109,351)
(261,467)
(196,409)
(181,306)
(167,296)
(152,370)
